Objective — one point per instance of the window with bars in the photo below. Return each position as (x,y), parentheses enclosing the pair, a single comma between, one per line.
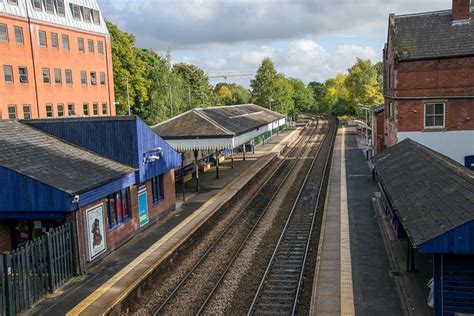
(12,111)
(68,75)
(54,40)
(46,76)
(65,42)
(60,109)
(23,74)
(49,110)
(80,44)
(119,208)
(435,115)
(19,35)
(8,73)
(26,111)
(57,76)
(43,42)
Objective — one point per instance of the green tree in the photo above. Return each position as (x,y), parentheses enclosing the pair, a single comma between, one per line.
(196,80)
(223,94)
(282,100)
(303,96)
(319,93)
(265,83)
(126,65)
(363,84)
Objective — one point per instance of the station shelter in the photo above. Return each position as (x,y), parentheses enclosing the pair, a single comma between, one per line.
(204,134)
(109,176)
(430,200)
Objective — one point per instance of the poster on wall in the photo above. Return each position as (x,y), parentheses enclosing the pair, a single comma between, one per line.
(96,231)
(143,206)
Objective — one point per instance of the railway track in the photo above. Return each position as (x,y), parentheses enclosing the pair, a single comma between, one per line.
(241,226)
(281,284)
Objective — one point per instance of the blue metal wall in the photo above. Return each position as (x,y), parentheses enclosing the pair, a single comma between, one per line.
(20,193)
(457,241)
(453,284)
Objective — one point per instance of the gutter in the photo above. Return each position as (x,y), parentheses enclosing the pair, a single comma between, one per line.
(466,97)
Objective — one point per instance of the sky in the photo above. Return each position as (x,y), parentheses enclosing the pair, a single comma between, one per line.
(308,39)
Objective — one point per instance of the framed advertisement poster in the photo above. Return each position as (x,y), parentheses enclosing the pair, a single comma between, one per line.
(143,207)
(95,231)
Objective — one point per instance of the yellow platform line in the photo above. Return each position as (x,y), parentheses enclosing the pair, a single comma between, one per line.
(347,292)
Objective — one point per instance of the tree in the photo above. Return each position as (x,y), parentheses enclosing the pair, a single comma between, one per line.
(195,78)
(319,93)
(282,100)
(303,96)
(223,95)
(364,84)
(264,84)
(126,65)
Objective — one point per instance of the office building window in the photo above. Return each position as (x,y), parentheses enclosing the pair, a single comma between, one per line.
(71,111)
(119,207)
(3,33)
(49,110)
(12,111)
(76,11)
(100,47)
(8,73)
(85,109)
(68,75)
(104,108)
(86,13)
(83,77)
(434,115)
(43,42)
(48,6)
(19,35)
(95,16)
(54,40)
(60,7)
(57,76)
(95,109)
(90,44)
(60,109)
(65,42)
(46,76)
(23,73)
(80,44)
(37,5)
(26,111)
(157,189)
(93,78)
(102,78)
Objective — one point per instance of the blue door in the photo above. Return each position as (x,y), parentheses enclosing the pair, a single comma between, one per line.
(143,208)
(469,162)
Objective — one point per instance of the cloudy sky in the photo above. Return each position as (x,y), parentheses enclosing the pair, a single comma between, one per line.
(308,39)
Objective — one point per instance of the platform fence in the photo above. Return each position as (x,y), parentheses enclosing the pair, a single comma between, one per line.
(32,271)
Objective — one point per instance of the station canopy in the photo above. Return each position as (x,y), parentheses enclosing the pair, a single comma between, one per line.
(223,127)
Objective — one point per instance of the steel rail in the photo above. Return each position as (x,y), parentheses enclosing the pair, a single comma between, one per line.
(282,235)
(230,225)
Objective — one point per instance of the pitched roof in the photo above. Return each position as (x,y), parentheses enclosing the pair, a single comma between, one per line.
(221,121)
(431,35)
(379,109)
(431,193)
(54,162)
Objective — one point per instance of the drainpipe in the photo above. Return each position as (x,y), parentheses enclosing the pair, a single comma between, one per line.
(33,60)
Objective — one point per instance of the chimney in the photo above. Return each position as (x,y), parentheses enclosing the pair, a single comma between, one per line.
(461,10)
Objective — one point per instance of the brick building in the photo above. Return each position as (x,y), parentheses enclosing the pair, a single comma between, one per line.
(55,60)
(428,82)
(109,176)
(378,129)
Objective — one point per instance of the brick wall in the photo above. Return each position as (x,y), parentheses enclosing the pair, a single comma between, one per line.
(117,236)
(379,130)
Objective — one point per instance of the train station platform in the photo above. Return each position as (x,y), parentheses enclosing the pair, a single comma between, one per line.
(120,273)
(352,274)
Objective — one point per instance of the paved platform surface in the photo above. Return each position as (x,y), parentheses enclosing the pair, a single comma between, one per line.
(106,283)
(353,270)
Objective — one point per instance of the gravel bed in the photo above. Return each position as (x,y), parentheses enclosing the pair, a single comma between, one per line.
(163,286)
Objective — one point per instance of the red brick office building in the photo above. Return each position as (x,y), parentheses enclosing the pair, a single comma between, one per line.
(428,81)
(55,60)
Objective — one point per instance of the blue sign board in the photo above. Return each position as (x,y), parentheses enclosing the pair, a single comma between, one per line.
(143,208)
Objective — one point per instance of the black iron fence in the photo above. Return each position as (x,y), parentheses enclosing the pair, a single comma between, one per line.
(36,269)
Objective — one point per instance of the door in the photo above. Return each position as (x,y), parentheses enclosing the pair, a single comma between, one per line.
(143,208)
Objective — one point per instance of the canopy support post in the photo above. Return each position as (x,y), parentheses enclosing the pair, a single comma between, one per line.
(196,166)
(232,158)
(243,151)
(217,164)
(182,177)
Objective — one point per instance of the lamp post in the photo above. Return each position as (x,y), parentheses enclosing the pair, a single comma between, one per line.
(128,96)
(189,95)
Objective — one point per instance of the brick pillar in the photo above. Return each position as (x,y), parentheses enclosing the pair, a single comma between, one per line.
(461,10)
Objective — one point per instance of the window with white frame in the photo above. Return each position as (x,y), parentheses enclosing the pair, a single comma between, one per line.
(42,39)
(8,73)
(3,33)
(54,40)
(49,110)
(12,111)
(49,6)
(68,75)
(18,34)
(80,44)
(76,11)
(37,5)
(26,111)
(60,7)
(86,13)
(434,115)
(23,74)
